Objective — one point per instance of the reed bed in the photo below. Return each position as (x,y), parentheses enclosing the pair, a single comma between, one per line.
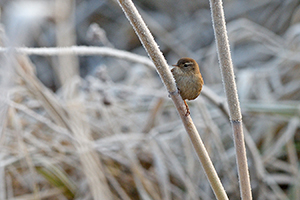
(113,132)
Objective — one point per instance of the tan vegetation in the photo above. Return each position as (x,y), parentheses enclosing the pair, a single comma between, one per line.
(115,134)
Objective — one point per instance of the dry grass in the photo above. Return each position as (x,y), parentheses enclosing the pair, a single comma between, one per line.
(116,128)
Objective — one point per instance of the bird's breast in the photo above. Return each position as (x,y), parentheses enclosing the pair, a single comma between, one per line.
(189,85)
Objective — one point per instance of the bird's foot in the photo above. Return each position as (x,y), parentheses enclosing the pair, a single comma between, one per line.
(187,109)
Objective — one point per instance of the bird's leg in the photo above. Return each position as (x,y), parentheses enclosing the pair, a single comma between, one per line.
(187,109)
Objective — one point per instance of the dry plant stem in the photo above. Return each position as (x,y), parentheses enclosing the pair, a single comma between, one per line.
(81,51)
(231,93)
(73,122)
(152,49)
(153,114)
(68,66)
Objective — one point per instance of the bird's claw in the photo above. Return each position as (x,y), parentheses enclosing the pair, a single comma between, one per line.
(187,109)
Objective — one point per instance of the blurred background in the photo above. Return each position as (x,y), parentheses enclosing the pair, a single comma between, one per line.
(102,126)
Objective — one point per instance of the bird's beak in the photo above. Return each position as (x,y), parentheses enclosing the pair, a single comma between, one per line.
(175,65)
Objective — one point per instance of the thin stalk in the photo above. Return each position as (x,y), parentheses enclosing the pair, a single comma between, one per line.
(232,96)
(162,67)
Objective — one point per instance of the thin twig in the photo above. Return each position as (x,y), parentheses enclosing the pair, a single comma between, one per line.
(80,51)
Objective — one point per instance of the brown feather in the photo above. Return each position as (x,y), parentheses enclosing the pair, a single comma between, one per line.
(188,78)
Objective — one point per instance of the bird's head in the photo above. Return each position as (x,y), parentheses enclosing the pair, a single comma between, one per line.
(188,65)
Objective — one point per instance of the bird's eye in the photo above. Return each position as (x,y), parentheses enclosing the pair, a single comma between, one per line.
(185,65)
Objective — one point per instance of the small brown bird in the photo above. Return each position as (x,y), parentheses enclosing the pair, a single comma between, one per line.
(188,79)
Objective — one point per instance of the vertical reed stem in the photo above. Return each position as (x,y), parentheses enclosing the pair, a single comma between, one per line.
(232,96)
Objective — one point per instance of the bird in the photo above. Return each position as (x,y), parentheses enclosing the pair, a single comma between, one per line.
(188,80)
